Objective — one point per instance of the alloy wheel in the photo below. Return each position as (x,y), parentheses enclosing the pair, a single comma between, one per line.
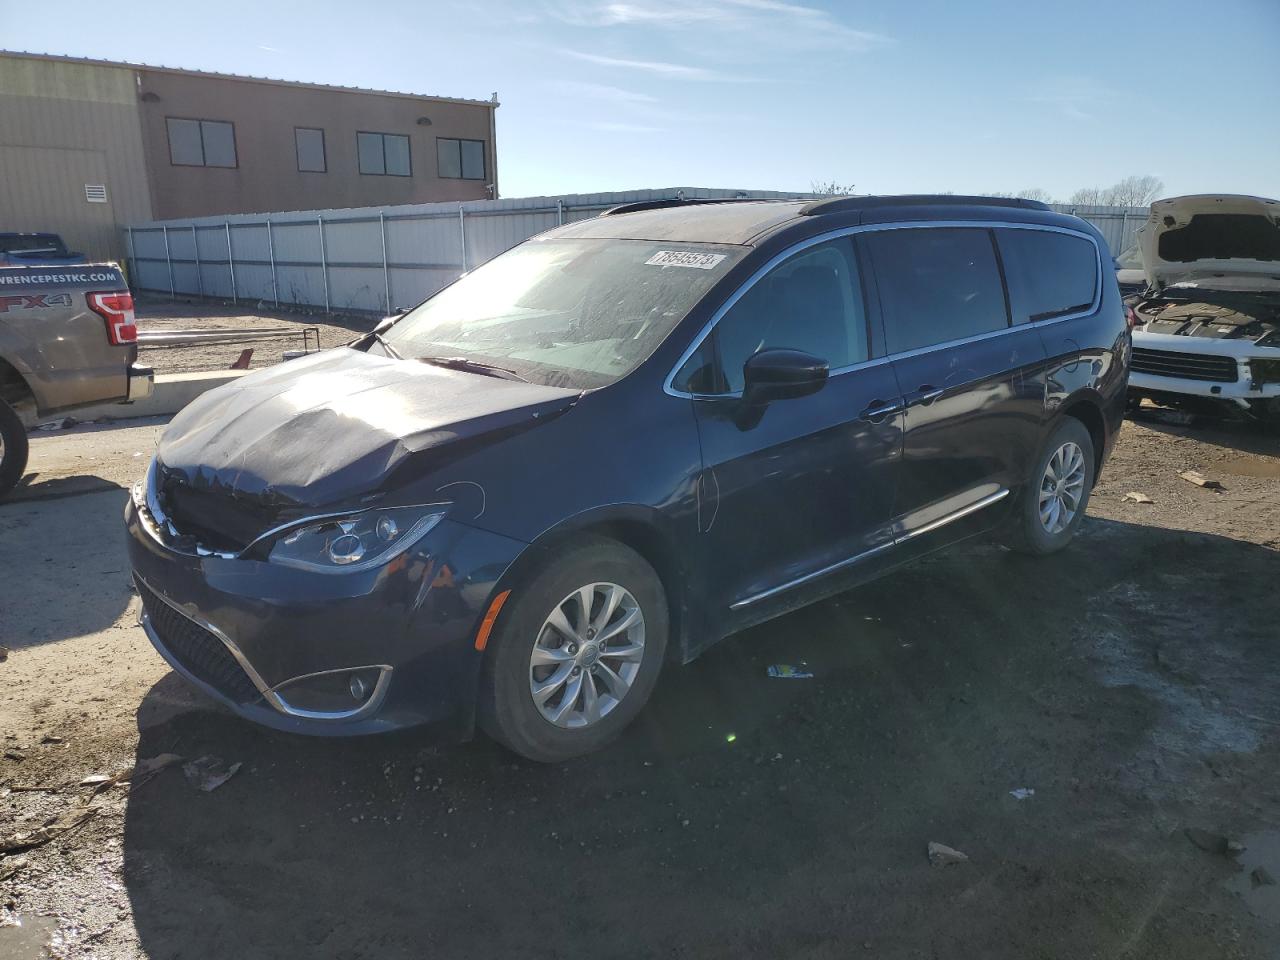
(586,655)
(1062,487)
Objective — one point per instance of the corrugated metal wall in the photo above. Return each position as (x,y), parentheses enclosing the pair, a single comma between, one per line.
(62,126)
(376,259)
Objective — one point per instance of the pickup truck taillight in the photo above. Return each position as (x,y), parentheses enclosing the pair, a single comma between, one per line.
(117,310)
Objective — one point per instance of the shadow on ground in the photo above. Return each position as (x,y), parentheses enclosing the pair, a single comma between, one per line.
(744,816)
(71,567)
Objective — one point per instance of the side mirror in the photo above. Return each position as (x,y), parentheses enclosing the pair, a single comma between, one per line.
(779,374)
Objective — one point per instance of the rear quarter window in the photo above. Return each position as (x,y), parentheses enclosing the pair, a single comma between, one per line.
(1049,274)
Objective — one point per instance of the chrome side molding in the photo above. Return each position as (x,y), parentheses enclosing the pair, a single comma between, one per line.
(874,551)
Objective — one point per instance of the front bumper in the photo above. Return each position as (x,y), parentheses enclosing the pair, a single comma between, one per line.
(254,635)
(142,383)
(1240,357)
(1239,392)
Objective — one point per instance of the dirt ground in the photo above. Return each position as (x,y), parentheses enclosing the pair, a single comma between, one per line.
(1132,682)
(162,314)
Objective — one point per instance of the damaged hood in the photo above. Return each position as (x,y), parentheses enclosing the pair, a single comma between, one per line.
(332,427)
(1209,237)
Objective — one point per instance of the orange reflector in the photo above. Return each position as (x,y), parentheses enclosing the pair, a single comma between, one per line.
(486,625)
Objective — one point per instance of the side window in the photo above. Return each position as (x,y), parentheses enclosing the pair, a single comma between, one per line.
(201,143)
(1049,274)
(936,284)
(309,143)
(811,301)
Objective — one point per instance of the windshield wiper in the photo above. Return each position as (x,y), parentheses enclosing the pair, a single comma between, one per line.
(391,351)
(474,366)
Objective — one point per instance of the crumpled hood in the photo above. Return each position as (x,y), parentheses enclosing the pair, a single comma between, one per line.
(1233,236)
(331,427)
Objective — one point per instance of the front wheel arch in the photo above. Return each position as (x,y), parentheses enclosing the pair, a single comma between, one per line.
(641,529)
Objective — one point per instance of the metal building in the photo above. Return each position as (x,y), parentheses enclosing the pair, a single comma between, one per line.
(87,146)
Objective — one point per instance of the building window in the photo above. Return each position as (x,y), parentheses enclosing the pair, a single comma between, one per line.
(460,159)
(201,143)
(384,154)
(309,142)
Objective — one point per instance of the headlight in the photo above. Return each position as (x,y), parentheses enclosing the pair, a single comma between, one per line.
(357,542)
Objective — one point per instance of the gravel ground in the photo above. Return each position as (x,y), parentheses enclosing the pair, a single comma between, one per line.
(1132,682)
(162,314)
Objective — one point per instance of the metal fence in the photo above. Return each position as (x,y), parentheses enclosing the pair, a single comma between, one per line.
(371,259)
(377,259)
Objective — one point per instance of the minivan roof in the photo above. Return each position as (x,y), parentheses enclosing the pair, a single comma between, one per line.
(748,222)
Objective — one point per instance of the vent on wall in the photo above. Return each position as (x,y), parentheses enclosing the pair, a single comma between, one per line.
(95,192)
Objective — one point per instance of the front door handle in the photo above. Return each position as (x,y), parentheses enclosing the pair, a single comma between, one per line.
(877,410)
(925,395)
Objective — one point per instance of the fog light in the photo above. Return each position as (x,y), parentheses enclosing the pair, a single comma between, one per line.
(359,689)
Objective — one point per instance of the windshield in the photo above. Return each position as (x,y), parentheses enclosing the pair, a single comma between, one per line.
(565,313)
(34,243)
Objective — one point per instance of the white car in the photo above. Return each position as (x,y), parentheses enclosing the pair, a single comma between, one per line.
(1207,329)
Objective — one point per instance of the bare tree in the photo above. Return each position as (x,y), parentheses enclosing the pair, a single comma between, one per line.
(830,188)
(1026,193)
(1135,191)
(1089,197)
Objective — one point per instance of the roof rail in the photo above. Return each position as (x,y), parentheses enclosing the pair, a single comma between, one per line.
(847,204)
(639,205)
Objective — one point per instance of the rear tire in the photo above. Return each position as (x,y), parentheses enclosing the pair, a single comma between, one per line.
(13,448)
(1053,503)
(558,683)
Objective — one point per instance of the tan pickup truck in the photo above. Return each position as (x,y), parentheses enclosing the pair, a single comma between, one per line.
(67,340)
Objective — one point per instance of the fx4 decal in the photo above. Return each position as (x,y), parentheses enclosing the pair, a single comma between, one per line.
(28,301)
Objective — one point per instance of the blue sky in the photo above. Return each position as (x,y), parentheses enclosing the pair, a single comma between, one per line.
(771,94)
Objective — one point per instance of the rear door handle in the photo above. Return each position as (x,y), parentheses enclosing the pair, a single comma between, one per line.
(925,395)
(877,410)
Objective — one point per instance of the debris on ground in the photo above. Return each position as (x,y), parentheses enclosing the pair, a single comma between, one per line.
(50,738)
(940,855)
(208,773)
(1260,877)
(60,825)
(787,671)
(1134,496)
(11,866)
(136,775)
(1211,842)
(1200,480)
(17,755)
(1023,793)
(4,654)
(66,423)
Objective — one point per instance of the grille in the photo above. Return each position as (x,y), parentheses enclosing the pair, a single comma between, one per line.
(1189,366)
(199,651)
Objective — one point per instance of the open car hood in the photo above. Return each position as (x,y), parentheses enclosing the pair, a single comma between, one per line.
(1211,236)
(333,426)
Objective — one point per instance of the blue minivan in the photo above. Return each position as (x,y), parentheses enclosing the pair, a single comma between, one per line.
(619,442)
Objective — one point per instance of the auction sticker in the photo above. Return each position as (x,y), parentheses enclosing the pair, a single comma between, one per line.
(685,258)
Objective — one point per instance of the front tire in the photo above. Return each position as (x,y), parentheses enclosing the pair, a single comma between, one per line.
(1052,506)
(13,448)
(576,652)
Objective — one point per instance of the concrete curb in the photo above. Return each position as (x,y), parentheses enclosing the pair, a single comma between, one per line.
(173,392)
